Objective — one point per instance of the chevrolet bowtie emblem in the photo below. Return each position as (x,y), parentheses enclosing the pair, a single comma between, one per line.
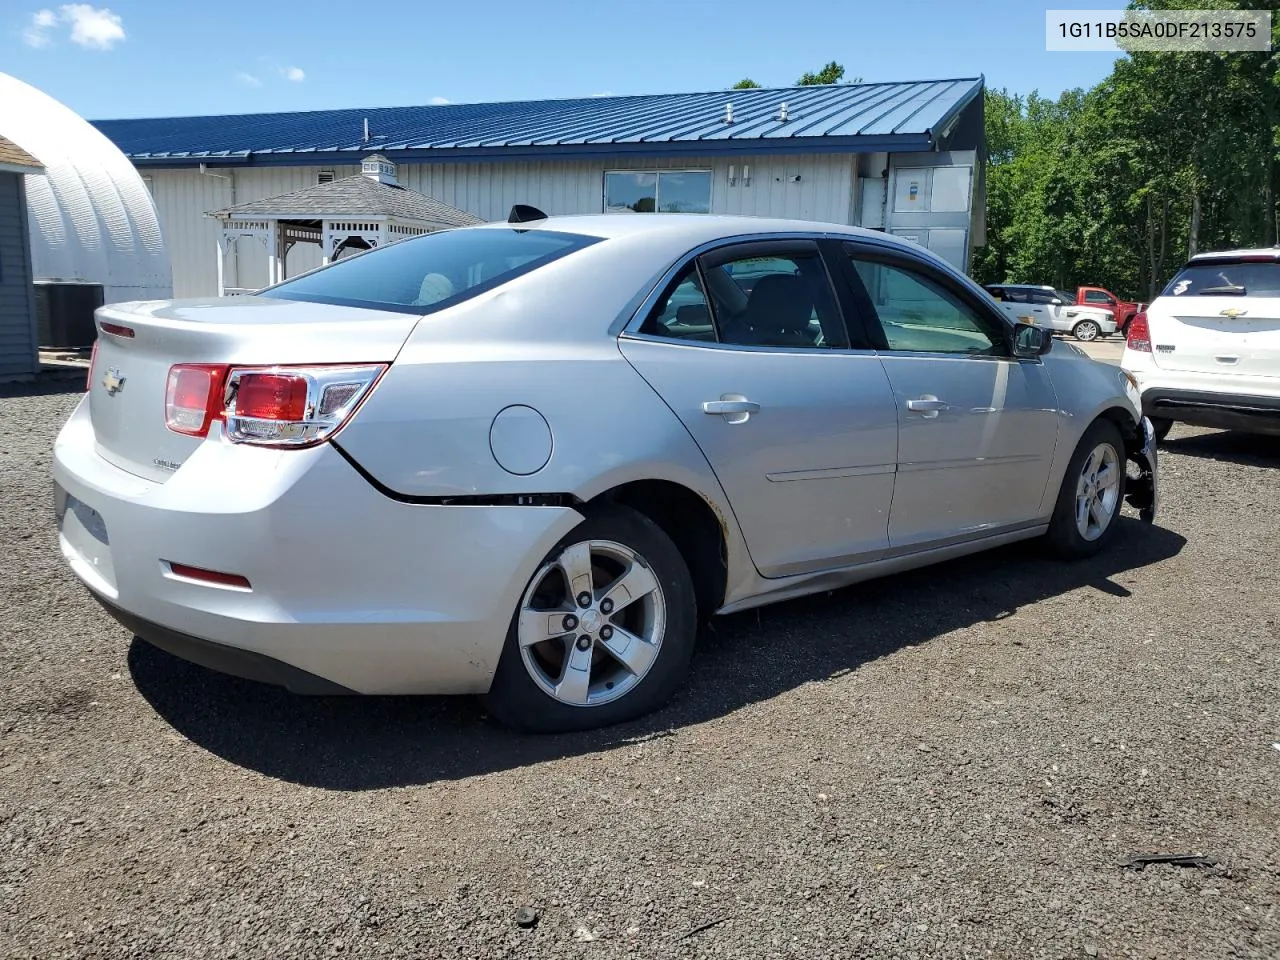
(1233,313)
(113,381)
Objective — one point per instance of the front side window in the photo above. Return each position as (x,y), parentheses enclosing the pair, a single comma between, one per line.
(431,272)
(657,191)
(919,315)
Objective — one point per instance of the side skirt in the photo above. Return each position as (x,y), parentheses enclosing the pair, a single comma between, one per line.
(773,591)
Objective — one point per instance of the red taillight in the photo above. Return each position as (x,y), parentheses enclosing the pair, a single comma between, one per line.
(266,406)
(93,360)
(1139,333)
(294,406)
(193,397)
(271,396)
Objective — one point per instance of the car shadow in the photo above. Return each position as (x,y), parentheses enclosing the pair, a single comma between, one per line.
(362,743)
(1228,446)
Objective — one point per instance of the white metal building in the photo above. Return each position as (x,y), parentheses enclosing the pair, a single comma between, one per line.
(902,157)
(91,217)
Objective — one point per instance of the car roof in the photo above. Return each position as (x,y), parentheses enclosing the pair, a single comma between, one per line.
(1271,253)
(690,228)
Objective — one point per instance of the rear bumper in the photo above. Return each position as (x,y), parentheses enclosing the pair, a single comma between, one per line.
(363,592)
(233,661)
(1203,408)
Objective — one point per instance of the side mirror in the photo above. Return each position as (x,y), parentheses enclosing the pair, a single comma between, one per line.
(1030,342)
(1056,301)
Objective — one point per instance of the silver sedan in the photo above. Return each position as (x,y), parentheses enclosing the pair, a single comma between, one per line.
(526,460)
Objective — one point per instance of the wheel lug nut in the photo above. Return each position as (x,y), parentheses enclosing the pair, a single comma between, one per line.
(570,622)
(606,605)
(584,642)
(606,632)
(584,599)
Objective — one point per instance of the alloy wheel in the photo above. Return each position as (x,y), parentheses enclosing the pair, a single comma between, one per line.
(1098,492)
(1086,330)
(591,623)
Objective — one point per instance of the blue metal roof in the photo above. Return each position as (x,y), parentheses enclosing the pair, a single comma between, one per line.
(845,118)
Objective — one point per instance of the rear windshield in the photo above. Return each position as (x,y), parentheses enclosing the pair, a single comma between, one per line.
(1227,278)
(431,272)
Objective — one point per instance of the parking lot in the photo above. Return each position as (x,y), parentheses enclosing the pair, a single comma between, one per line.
(954,762)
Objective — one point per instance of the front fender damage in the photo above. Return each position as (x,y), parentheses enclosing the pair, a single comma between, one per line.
(1142,491)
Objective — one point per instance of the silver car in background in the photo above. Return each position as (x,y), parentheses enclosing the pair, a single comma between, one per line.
(527,459)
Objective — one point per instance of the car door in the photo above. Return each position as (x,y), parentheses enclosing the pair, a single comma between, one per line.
(977,427)
(799,427)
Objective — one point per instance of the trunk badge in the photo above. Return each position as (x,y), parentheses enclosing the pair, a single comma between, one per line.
(1232,313)
(113,381)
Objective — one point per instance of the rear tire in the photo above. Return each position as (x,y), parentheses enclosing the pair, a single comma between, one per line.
(1092,493)
(1086,330)
(569,666)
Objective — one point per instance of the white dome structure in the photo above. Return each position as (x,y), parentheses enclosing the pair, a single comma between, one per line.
(92,218)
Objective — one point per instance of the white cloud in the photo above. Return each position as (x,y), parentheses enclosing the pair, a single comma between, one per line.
(94,28)
(296,74)
(439,101)
(248,79)
(37,32)
(607,93)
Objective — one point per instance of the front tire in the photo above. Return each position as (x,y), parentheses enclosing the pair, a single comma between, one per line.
(604,631)
(1092,493)
(1086,330)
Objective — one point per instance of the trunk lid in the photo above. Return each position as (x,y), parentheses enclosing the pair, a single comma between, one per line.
(130,374)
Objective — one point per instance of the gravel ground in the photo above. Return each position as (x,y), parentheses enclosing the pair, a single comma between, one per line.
(951,763)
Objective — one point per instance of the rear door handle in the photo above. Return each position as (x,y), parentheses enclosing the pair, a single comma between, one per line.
(928,405)
(733,409)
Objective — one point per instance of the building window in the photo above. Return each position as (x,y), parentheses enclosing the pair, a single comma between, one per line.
(661,191)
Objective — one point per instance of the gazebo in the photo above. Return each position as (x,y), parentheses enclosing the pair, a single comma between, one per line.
(368,210)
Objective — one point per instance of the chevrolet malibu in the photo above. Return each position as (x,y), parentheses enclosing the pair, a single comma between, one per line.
(527,459)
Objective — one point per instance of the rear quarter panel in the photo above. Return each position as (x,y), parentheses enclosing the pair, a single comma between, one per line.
(425,431)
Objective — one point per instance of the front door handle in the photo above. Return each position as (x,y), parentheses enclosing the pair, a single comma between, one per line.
(734,409)
(928,405)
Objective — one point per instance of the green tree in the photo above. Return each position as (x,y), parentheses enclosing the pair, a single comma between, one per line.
(831,73)
(1170,154)
(746,83)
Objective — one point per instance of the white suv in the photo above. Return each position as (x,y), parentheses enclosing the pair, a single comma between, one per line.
(1207,350)
(1052,309)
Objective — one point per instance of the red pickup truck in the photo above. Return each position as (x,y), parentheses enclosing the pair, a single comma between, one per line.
(1122,310)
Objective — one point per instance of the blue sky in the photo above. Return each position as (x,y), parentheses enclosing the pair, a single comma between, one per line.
(135,58)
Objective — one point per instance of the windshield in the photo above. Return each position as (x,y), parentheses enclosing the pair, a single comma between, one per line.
(1227,278)
(1064,296)
(431,272)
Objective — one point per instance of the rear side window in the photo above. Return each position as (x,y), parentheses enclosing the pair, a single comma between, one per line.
(431,272)
(1226,278)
